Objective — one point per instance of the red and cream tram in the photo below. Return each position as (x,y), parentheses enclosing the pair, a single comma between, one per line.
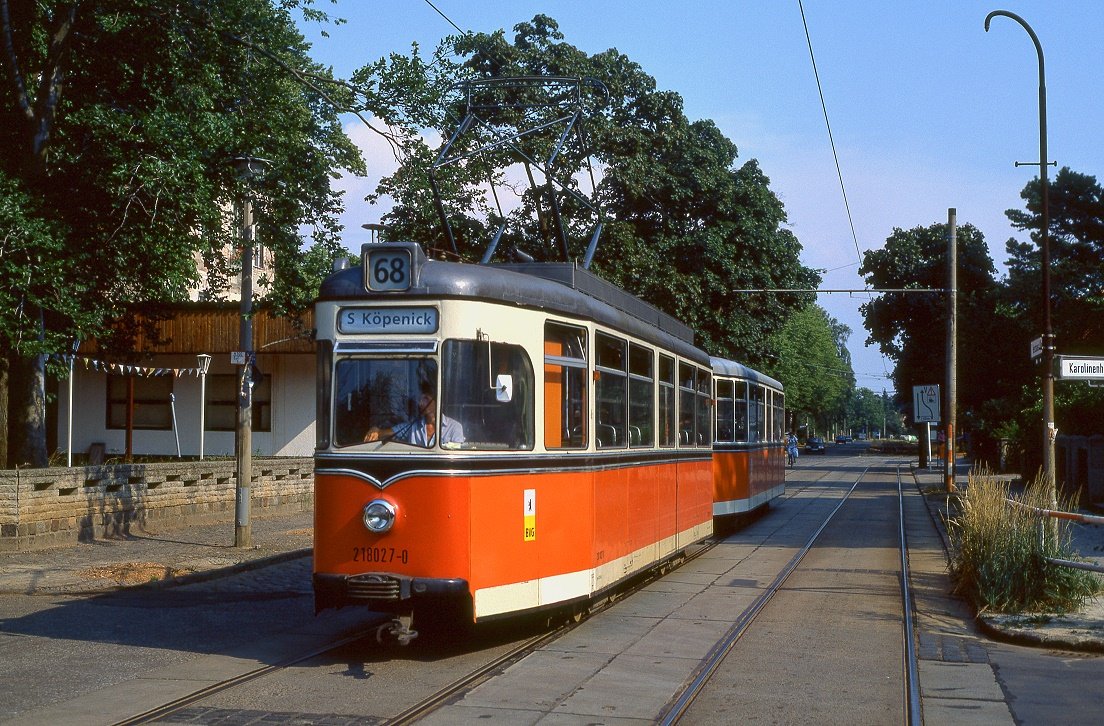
(500,439)
(749,467)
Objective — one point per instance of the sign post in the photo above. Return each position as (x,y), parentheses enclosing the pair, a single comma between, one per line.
(925,410)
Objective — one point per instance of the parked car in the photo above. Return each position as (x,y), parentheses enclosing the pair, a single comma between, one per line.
(815,445)
(843,439)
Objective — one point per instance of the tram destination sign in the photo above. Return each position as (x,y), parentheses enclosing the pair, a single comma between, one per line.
(387,321)
(1080,368)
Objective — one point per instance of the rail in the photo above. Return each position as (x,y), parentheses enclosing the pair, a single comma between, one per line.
(1069,516)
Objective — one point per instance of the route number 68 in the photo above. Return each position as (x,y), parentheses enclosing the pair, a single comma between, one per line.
(388,270)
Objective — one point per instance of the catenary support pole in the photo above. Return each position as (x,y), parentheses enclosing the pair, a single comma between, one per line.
(952,349)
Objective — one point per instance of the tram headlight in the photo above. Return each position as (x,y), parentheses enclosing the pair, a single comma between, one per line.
(379,515)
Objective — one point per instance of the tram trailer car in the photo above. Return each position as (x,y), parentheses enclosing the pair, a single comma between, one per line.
(500,439)
(749,464)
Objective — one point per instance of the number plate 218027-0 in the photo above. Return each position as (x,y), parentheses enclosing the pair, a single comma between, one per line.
(380,555)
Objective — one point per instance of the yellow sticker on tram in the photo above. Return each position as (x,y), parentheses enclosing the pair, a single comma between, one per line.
(530,515)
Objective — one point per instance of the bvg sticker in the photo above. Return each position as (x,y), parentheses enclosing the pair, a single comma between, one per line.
(530,515)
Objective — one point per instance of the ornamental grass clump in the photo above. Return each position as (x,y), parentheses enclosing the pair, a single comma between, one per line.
(998,556)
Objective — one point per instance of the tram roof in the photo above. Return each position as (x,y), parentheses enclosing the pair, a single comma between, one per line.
(560,287)
(725,367)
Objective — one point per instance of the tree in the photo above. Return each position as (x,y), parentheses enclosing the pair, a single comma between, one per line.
(1076,238)
(683,227)
(1076,248)
(910,328)
(122,117)
(813,366)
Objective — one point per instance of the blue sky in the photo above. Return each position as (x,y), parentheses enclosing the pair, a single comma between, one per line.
(928,111)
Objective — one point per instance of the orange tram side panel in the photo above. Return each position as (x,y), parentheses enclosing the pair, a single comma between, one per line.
(519,542)
(744,480)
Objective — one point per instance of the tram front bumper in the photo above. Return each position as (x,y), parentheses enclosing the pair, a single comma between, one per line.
(383,591)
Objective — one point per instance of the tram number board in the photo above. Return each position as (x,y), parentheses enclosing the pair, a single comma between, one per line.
(387,269)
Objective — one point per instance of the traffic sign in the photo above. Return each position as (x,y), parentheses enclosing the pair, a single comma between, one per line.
(925,403)
(1036,349)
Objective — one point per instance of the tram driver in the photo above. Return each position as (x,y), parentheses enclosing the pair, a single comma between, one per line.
(422,430)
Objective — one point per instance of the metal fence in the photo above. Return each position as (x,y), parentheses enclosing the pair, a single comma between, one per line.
(1044,514)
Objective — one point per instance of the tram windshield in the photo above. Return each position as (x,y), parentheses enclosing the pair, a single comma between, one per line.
(385,400)
(485,402)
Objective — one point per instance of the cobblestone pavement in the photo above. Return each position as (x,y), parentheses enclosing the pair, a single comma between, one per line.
(158,558)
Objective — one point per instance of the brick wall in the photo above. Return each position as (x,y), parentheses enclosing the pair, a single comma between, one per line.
(46,507)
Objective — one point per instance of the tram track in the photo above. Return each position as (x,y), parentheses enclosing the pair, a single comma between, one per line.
(368,634)
(681,703)
(454,690)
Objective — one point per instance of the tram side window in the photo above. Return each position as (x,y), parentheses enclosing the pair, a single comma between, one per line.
(384,395)
(667,430)
(703,409)
(641,396)
(611,390)
(756,414)
(740,410)
(779,415)
(488,388)
(565,386)
(687,396)
(322,394)
(726,428)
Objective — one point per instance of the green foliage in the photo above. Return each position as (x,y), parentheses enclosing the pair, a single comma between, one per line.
(122,118)
(1000,401)
(818,381)
(911,327)
(998,556)
(136,168)
(683,227)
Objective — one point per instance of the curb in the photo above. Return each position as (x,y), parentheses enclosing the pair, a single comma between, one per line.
(84,588)
(992,626)
(208,575)
(1036,639)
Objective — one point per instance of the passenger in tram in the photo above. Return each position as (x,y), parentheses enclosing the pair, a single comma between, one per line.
(422,430)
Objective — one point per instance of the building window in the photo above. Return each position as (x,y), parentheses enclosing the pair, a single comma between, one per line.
(152,402)
(222,403)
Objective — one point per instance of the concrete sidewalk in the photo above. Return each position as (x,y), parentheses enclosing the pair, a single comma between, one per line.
(1082,630)
(156,557)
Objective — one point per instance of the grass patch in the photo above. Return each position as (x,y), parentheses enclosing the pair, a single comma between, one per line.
(998,557)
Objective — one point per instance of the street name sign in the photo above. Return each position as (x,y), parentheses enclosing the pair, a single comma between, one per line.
(1080,368)
(925,403)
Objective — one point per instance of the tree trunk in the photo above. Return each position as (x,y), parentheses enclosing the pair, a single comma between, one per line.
(3,412)
(27,405)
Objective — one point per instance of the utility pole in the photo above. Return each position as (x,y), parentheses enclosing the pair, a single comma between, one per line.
(247,169)
(952,348)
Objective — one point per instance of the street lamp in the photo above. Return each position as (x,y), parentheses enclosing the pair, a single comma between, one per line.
(204,364)
(1049,431)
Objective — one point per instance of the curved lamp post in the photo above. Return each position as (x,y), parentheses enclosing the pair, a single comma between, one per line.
(1049,431)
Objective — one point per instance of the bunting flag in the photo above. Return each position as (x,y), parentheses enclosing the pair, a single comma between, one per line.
(123,369)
